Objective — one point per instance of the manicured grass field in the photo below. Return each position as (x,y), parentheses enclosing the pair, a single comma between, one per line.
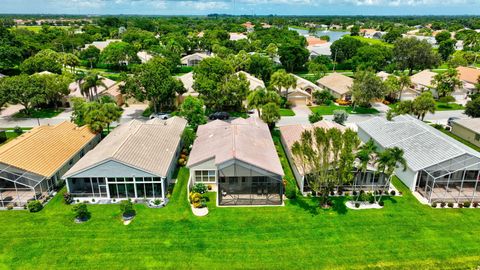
(372,41)
(39,113)
(439,106)
(10,136)
(287,112)
(328,110)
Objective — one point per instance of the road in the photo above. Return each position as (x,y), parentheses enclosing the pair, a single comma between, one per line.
(135,112)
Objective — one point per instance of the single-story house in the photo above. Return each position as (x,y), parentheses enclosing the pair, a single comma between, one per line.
(422,81)
(372,33)
(101,44)
(144,56)
(439,168)
(467,129)
(112,90)
(32,164)
(470,77)
(237,36)
(293,133)
(302,93)
(192,60)
(314,41)
(338,84)
(320,49)
(407,94)
(239,160)
(136,160)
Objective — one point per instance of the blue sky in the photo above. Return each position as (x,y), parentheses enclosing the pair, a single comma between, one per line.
(257,7)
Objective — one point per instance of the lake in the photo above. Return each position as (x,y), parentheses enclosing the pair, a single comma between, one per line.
(334,35)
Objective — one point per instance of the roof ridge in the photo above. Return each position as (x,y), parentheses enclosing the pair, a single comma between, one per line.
(126,138)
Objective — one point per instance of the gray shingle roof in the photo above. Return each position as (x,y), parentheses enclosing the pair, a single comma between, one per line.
(149,146)
(423,145)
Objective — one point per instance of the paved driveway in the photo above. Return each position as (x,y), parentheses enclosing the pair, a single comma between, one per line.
(301,116)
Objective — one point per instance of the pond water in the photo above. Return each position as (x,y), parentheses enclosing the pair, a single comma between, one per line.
(334,35)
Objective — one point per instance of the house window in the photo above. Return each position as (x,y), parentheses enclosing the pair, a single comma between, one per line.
(205,176)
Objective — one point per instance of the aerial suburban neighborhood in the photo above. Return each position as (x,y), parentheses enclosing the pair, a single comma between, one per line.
(204,139)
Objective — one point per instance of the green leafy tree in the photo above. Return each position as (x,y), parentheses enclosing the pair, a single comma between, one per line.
(152,81)
(111,112)
(25,90)
(89,87)
(281,80)
(472,108)
(445,83)
(81,211)
(293,57)
(10,56)
(366,87)
(90,54)
(192,110)
(388,161)
(188,137)
(270,114)
(118,54)
(323,97)
(69,60)
(443,36)
(257,99)
(271,50)
(446,48)
(424,104)
(261,67)
(405,82)
(392,35)
(318,70)
(411,54)
(345,48)
(392,86)
(55,87)
(355,30)
(45,60)
(375,57)
(233,92)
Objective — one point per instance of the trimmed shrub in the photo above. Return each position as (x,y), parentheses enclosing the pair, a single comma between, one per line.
(446,99)
(354,193)
(332,193)
(475,204)
(199,188)
(434,205)
(81,211)
(67,198)
(393,193)
(209,187)
(450,205)
(466,204)
(127,208)
(290,193)
(9,206)
(18,130)
(34,206)
(381,203)
(357,205)
(443,204)
(460,205)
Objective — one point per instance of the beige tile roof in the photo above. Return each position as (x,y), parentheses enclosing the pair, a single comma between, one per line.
(468,74)
(45,149)
(472,124)
(312,41)
(292,133)
(254,82)
(336,82)
(423,78)
(75,87)
(247,140)
(197,55)
(149,146)
(237,36)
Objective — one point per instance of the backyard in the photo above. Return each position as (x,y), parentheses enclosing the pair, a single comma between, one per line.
(405,234)
(328,109)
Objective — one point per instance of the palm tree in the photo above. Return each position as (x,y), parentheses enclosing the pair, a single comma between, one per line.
(255,100)
(367,153)
(281,79)
(111,112)
(404,82)
(388,161)
(91,82)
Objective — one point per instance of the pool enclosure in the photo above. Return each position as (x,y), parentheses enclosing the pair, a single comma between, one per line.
(454,180)
(18,187)
(243,184)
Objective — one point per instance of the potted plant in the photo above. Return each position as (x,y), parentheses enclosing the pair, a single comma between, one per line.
(128,212)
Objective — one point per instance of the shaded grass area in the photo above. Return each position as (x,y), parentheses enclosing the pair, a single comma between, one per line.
(39,113)
(440,106)
(467,143)
(328,109)
(287,169)
(287,112)
(403,235)
(10,136)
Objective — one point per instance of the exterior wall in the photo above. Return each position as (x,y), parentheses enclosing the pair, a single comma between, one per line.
(173,163)
(466,134)
(296,173)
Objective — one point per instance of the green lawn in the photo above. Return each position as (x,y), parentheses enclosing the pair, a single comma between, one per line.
(39,113)
(372,41)
(328,110)
(10,136)
(287,112)
(439,106)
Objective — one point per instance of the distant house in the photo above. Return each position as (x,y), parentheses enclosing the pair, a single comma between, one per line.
(31,165)
(314,41)
(335,27)
(301,94)
(239,161)
(112,90)
(422,81)
(407,94)
(192,60)
(237,36)
(469,77)
(431,40)
(249,26)
(337,84)
(372,33)
(136,160)
(439,168)
(320,49)
(266,25)
(144,56)
(101,44)
(467,129)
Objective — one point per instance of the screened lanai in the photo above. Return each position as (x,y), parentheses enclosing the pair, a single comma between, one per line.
(17,186)
(454,180)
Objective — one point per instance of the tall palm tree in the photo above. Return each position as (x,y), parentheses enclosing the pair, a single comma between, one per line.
(91,82)
(404,82)
(366,154)
(283,80)
(388,161)
(255,100)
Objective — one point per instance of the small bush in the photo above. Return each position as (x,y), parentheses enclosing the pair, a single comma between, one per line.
(81,211)
(354,193)
(393,193)
(209,187)
(443,204)
(157,202)
(127,208)
(67,198)
(371,199)
(466,204)
(450,205)
(199,188)
(34,206)
(446,99)
(9,206)
(347,194)
(475,204)
(357,205)
(434,205)
(18,130)
(381,203)
(460,205)
(290,193)
(332,193)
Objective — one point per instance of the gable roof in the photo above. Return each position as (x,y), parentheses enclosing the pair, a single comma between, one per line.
(468,74)
(45,149)
(187,80)
(313,41)
(254,82)
(336,82)
(197,55)
(149,146)
(424,78)
(247,140)
(423,145)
